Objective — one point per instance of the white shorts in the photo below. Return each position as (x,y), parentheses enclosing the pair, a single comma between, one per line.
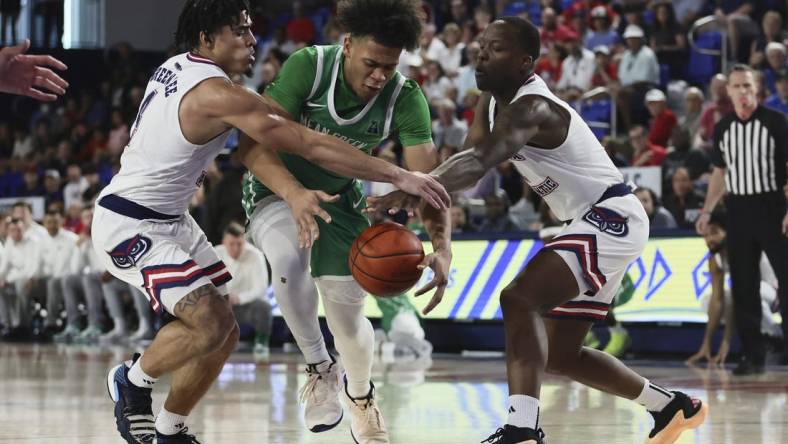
(168,259)
(598,246)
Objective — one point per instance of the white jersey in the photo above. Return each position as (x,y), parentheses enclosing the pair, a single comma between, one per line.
(571,177)
(159,168)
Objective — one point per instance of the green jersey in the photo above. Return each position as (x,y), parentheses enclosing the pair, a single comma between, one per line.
(311,87)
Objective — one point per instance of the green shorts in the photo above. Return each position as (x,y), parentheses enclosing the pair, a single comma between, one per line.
(331,250)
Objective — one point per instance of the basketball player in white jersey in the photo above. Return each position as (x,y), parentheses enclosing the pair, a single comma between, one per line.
(552,304)
(145,236)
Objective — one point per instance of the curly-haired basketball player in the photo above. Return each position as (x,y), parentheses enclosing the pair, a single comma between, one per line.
(551,305)
(145,236)
(351,91)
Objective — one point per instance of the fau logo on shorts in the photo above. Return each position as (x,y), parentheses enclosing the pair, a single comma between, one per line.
(608,221)
(130,251)
(547,186)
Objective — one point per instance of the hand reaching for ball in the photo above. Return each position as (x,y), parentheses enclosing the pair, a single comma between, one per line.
(439,261)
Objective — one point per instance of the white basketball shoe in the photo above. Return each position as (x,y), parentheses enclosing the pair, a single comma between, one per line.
(320,395)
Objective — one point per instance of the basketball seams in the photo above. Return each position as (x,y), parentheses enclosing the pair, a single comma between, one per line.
(389,281)
(404,253)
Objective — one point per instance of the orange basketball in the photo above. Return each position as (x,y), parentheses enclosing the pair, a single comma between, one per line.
(384,257)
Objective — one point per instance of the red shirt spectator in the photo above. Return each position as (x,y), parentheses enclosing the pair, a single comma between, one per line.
(584,7)
(606,70)
(664,119)
(552,31)
(645,152)
(549,69)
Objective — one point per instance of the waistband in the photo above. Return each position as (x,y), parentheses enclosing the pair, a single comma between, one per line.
(131,209)
(617,190)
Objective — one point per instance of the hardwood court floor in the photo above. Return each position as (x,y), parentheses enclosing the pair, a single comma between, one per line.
(56,394)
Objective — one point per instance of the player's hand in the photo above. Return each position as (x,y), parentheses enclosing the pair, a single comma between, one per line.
(305,205)
(440,262)
(424,185)
(703,353)
(702,224)
(392,203)
(28,75)
(722,353)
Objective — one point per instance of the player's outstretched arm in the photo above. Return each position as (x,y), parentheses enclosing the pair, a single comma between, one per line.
(304,204)
(236,106)
(29,75)
(514,126)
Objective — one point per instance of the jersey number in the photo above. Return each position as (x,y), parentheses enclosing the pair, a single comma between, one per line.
(148,99)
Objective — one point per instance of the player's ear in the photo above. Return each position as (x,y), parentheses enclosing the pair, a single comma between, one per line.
(206,39)
(528,63)
(346,44)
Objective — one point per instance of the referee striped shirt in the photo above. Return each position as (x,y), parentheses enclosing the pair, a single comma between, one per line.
(753,151)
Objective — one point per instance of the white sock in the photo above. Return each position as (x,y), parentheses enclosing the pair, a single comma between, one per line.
(168,423)
(139,378)
(523,411)
(653,397)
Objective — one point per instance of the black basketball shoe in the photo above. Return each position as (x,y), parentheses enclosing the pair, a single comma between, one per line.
(182,437)
(133,413)
(681,414)
(516,435)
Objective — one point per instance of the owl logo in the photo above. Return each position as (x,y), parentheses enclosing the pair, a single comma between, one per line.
(608,221)
(129,252)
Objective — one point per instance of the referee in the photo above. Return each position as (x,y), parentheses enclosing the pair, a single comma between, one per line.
(749,155)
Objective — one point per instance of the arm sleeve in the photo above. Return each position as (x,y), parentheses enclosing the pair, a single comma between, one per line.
(412,116)
(716,149)
(292,85)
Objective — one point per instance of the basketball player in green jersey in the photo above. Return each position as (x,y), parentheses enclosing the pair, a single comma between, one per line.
(351,91)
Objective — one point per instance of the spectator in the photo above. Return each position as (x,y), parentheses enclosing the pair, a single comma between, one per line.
(21,210)
(772,31)
(460,222)
(432,48)
(577,68)
(300,29)
(497,214)
(119,134)
(685,202)
(59,258)
(23,143)
(603,33)
(447,130)
(779,100)
(19,266)
(687,11)
(75,187)
(645,153)
(459,11)
(735,14)
(248,288)
(466,75)
(681,154)
(86,281)
(32,185)
(639,63)
(605,69)
(94,184)
(525,213)
(52,191)
(776,61)
(719,106)
(548,67)
(73,221)
(436,85)
(638,72)
(658,216)
(664,120)
(552,31)
(611,148)
(451,55)
(482,17)
(693,109)
(668,39)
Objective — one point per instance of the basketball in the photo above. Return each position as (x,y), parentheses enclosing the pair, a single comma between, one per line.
(383,259)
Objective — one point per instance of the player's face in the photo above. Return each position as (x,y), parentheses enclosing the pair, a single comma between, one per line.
(501,62)
(715,238)
(368,65)
(742,89)
(232,47)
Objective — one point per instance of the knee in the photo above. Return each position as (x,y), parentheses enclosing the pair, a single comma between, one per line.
(215,328)
(514,299)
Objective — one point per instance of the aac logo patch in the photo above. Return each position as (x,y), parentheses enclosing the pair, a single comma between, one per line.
(608,221)
(128,253)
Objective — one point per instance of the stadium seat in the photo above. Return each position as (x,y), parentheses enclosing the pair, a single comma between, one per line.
(702,67)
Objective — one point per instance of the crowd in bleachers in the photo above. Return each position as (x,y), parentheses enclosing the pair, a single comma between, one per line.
(630,68)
